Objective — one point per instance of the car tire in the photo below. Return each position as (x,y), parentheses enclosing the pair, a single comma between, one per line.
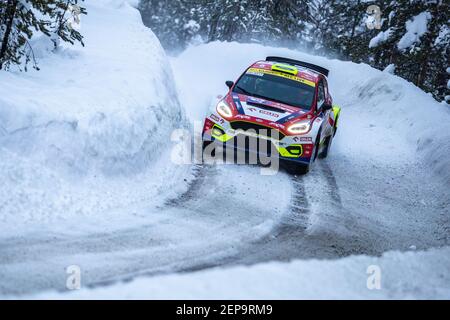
(205,144)
(326,149)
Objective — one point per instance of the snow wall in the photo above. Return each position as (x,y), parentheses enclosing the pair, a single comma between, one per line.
(73,133)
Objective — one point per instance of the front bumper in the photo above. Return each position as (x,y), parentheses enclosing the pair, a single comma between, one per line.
(288,148)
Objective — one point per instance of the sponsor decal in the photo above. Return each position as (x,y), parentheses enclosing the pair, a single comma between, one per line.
(264,64)
(280,106)
(261,72)
(217,119)
(277,125)
(272,114)
(238,104)
(306,74)
(302,139)
(243,116)
(256,100)
(268,113)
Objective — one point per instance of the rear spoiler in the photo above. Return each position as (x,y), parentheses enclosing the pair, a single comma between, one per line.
(311,66)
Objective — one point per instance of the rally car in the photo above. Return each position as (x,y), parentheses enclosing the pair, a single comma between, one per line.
(283,102)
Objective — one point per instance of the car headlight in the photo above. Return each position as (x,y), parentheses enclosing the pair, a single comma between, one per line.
(299,127)
(224,109)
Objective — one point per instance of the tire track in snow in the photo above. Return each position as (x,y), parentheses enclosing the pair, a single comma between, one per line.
(201,174)
(299,235)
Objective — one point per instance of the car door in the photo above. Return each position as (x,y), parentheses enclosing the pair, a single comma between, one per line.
(321,99)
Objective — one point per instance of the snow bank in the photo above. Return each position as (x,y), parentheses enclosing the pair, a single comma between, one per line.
(394,120)
(74,135)
(409,275)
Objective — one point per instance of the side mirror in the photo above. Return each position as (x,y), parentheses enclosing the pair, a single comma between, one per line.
(229,84)
(326,107)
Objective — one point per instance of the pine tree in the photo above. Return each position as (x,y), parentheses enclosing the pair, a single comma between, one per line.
(60,14)
(438,78)
(18,24)
(22,18)
(335,28)
(230,20)
(175,23)
(421,61)
(292,18)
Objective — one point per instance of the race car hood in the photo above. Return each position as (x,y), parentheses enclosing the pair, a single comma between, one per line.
(265,109)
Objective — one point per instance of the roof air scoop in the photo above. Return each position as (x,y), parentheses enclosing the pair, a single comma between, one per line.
(308,65)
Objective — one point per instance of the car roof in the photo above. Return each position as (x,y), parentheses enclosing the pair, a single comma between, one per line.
(303,72)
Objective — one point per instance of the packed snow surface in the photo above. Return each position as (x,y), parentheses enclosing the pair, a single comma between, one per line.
(395,275)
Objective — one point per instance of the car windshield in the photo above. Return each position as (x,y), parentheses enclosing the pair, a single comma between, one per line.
(276,88)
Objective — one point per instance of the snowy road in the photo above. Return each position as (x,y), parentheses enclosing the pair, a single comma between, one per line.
(373,194)
(213,224)
(187,232)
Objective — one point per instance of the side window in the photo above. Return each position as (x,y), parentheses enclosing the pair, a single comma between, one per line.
(325,85)
(321,95)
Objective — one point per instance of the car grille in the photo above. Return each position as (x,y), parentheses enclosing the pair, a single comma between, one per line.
(268,131)
(260,146)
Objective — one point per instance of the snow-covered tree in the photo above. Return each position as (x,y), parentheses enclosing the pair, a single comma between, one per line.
(64,14)
(415,38)
(412,36)
(176,23)
(18,23)
(20,19)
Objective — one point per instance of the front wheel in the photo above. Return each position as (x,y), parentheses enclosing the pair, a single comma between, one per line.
(208,150)
(326,149)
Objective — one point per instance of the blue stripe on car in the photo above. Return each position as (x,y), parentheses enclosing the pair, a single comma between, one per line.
(289,117)
(238,104)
